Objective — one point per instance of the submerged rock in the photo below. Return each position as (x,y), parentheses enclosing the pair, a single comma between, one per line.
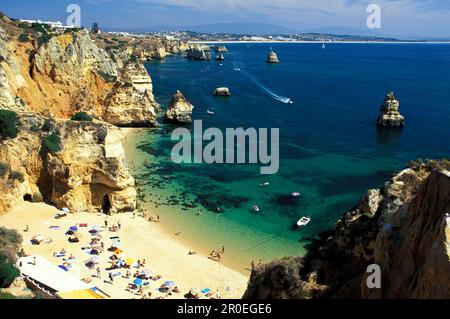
(223,91)
(389,115)
(179,110)
(272,57)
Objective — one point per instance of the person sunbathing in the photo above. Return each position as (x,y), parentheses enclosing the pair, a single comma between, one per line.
(176,290)
(157,277)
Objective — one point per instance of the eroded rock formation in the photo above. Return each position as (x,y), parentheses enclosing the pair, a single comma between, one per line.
(222,91)
(404,228)
(67,73)
(389,115)
(86,172)
(272,58)
(199,53)
(179,110)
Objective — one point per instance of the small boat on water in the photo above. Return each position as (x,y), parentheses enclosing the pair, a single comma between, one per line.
(323,46)
(303,221)
(237,69)
(264,184)
(296,194)
(210,112)
(255,208)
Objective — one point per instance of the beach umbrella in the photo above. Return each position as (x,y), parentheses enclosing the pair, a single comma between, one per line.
(169,284)
(95,259)
(65,210)
(137,282)
(73,228)
(130,261)
(38,238)
(145,272)
(116,244)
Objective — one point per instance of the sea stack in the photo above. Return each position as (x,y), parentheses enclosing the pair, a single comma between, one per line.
(272,57)
(222,92)
(179,110)
(389,115)
(220,57)
(221,49)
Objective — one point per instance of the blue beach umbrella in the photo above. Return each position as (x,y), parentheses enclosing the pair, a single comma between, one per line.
(168,284)
(137,282)
(74,228)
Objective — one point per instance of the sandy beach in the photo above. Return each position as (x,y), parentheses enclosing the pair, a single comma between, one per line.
(140,240)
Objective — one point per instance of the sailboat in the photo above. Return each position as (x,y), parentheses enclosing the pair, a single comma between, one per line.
(323,46)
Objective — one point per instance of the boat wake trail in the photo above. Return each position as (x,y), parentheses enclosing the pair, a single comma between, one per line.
(282,99)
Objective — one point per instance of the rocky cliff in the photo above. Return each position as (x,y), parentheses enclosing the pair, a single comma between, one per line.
(79,165)
(389,114)
(58,75)
(404,228)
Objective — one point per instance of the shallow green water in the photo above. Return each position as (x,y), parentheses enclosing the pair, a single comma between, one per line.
(330,149)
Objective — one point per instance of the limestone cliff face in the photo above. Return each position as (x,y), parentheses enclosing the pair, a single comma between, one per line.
(69,73)
(179,110)
(89,172)
(403,228)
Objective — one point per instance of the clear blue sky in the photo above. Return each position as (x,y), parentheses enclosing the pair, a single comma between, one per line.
(399,17)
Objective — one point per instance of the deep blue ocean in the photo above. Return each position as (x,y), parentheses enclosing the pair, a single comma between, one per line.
(330,148)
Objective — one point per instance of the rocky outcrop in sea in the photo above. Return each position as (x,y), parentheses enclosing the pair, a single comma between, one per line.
(199,53)
(68,73)
(389,115)
(404,228)
(221,49)
(272,58)
(222,91)
(179,110)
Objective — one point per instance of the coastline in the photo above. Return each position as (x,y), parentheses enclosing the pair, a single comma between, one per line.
(321,42)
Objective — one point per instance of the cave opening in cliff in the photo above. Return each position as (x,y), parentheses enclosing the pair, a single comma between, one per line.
(28,198)
(106,206)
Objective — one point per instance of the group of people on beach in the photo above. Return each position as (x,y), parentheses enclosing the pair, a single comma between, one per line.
(217,254)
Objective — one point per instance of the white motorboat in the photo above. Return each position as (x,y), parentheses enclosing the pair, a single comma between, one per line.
(256,208)
(296,194)
(264,184)
(210,112)
(303,221)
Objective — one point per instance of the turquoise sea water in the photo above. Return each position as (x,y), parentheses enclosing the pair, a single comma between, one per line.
(330,148)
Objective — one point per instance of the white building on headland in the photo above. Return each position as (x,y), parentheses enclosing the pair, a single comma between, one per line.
(53,24)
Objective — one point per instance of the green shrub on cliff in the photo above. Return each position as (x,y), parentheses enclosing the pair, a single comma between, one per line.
(10,242)
(52,143)
(82,117)
(8,124)
(23,38)
(4,169)
(8,272)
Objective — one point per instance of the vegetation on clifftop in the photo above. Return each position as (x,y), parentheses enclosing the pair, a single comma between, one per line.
(82,117)
(8,124)
(10,242)
(52,143)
